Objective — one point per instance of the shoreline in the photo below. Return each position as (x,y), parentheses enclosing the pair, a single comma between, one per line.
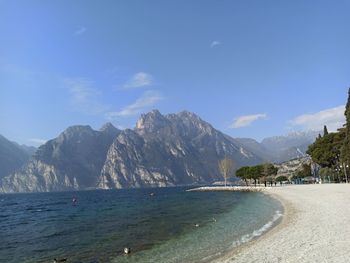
(309,229)
(287,213)
(227,189)
(277,225)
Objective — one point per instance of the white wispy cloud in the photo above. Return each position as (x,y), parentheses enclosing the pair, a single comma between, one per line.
(37,141)
(148,99)
(215,43)
(81,30)
(246,120)
(83,96)
(140,79)
(334,118)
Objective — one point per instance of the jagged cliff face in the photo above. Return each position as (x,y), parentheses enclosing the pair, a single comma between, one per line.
(174,149)
(169,150)
(71,161)
(38,176)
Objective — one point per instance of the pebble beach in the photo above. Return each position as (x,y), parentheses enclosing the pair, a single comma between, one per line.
(315,227)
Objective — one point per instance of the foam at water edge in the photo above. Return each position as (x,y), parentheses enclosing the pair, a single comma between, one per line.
(248,237)
(256,233)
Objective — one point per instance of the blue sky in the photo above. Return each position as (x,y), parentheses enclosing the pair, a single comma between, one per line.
(250,68)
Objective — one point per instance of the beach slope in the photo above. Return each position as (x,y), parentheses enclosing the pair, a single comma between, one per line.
(315,227)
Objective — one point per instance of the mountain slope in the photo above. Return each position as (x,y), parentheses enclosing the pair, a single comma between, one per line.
(278,149)
(293,145)
(71,161)
(256,147)
(169,150)
(12,156)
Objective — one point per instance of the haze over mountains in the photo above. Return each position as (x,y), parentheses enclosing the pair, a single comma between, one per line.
(278,149)
(13,156)
(162,150)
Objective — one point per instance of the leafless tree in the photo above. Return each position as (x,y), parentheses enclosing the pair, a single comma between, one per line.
(226,168)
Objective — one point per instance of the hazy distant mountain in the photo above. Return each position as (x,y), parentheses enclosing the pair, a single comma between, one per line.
(293,145)
(257,148)
(168,150)
(30,150)
(281,148)
(12,156)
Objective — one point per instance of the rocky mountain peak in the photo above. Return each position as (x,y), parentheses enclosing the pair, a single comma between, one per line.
(174,149)
(187,114)
(108,128)
(77,129)
(151,122)
(193,122)
(74,133)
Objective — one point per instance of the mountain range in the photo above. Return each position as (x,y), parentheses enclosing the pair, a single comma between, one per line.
(162,150)
(278,149)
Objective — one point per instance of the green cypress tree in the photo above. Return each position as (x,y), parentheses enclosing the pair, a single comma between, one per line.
(325,130)
(347,112)
(345,151)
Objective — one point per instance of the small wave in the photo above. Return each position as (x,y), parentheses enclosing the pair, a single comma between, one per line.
(55,234)
(58,203)
(44,210)
(256,233)
(7,246)
(33,209)
(22,223)
(10,204)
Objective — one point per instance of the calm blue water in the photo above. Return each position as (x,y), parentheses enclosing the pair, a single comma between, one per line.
(161,228)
